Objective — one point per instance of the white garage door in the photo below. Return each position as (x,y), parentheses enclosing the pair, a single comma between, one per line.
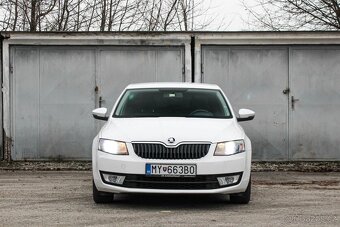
(254,78)
(302,124)
(54,90)
(315,103)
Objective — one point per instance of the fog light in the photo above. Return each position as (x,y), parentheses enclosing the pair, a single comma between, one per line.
(113,179)
(228,180)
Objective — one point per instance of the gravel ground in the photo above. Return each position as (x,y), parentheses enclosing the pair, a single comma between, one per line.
(48,198)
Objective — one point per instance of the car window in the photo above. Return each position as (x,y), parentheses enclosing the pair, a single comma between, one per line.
(202,103)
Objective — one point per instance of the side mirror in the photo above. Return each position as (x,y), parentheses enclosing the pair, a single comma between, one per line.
(100,114)
(245,115)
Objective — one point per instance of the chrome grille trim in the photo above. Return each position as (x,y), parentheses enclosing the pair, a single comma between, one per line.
(160,151)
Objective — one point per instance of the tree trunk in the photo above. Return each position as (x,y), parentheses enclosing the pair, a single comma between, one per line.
(33,24)
(103,16)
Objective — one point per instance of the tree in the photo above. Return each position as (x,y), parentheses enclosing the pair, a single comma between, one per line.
(295,14)
(101,15)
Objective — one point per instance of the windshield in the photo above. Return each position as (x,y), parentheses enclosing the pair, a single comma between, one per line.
(171,102)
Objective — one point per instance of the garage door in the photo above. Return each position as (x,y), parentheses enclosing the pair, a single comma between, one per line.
(254,78)
(137,64)
(315,103)
(54,90)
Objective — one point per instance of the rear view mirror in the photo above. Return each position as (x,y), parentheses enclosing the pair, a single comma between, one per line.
(245,115)
(100,114)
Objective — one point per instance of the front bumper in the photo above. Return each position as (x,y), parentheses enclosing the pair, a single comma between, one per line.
(208,169)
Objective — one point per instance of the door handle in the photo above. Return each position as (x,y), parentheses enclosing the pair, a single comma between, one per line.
(293,101)
(101,100)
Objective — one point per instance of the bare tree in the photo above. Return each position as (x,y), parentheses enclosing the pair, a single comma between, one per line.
(171,14)
(295,14)
(101,15)
(38,9)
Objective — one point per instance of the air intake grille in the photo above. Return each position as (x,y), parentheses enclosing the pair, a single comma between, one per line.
(159,151)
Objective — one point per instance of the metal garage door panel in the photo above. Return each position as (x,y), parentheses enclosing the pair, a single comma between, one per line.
(121,66)
(25,86)
(54,92)
(254,78)
(314,121)
(170,64)
(67,81)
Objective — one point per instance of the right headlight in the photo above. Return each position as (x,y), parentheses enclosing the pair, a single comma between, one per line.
(113,147)
(229,148)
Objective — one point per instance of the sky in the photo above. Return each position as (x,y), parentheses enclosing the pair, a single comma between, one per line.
(230,13)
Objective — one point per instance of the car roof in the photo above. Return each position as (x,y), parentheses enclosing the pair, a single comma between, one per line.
(173,85)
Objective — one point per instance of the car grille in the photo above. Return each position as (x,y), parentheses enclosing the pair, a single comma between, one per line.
(185,183)
(159,151)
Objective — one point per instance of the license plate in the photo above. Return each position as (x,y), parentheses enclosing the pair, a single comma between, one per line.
(170,170)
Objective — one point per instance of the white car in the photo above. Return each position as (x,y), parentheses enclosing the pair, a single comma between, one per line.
(180,138)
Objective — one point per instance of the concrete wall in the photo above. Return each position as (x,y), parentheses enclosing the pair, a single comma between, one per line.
(51,81)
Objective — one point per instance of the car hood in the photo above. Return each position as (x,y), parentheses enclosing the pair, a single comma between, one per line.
(181,129)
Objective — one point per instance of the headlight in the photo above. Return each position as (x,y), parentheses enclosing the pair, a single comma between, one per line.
(229,148)
(113,147)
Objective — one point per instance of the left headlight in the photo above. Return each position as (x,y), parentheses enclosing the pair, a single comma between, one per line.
(229,148)
(113,147)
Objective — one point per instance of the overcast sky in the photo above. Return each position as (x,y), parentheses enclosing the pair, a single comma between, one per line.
(230,13)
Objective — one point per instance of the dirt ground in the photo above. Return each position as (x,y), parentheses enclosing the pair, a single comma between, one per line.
(45,198)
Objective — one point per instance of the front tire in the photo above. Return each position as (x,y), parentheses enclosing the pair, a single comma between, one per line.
(242,198)
(101,197)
